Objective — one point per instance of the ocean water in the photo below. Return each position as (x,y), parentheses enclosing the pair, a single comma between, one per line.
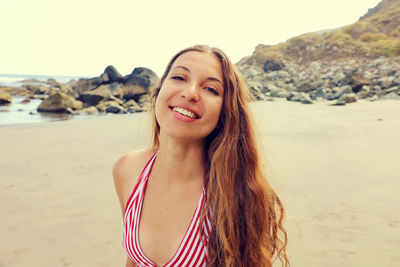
(17,112)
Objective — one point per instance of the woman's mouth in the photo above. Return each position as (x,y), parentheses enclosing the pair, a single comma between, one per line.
(185,112)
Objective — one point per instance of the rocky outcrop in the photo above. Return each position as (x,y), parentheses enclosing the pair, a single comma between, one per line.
(5,98)
(59,103)
(344,81)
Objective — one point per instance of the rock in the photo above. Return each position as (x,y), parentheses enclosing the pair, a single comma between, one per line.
(114,107)
(93,97)
(373,98)
(321,92)
(84,84)
(102,106)
(17,91)
(316,65)
(365,92)
(144,102)
(52,82)
(391,96)
(386,82)
(256,88)
(87,111)
(329,96)
(142,77)
(339,102)
(30,81)
(27,99)
(113,98)
(396,81)
(5,98)
(42,97)
(128,92)
(278,92)
(355,81)
(70,111)
(132,106)
(273,65)
(392,89)
(37,89)
(306,100)
(59,103)
(116,88)
(299,97)
(348,98)
(343,90)
(305,87)
(111,75)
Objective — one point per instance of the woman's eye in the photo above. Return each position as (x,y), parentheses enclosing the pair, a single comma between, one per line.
(212,90)
(179,78)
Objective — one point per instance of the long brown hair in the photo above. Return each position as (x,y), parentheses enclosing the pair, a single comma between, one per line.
(247,221)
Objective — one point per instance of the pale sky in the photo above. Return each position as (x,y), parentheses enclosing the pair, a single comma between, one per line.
(82,37)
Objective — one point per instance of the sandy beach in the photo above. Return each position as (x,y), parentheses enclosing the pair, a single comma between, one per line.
(336,169)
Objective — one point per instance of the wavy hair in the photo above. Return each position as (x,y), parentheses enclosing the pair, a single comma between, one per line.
(247,214)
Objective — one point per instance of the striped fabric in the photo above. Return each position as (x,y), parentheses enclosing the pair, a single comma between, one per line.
(191,252)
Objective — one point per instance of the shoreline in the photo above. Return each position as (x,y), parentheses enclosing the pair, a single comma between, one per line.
(23,116)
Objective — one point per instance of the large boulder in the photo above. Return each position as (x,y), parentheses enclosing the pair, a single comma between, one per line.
(142,77)
(5,98)
(59,103)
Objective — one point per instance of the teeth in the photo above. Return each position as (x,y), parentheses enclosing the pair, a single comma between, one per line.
(185,112)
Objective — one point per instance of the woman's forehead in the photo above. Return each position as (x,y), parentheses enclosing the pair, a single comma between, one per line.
(203,62)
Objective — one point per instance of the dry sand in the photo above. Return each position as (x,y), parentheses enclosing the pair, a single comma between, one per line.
(337,170)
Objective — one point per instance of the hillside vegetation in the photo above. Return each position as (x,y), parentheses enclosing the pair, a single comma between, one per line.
(376,34)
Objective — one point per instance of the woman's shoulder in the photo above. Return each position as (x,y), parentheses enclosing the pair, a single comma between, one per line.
(132,160)
(126,172)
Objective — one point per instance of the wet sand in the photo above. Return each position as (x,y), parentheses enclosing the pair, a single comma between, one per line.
(336,169)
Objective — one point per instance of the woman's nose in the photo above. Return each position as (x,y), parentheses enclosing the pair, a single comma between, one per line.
(191,92)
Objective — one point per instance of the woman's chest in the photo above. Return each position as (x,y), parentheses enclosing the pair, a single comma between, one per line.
(165,221)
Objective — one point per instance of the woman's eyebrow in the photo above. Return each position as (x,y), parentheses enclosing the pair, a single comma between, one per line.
(182,67)
(208,78)
(215,79)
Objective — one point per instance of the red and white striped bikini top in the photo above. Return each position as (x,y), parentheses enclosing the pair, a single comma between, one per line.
(191,252)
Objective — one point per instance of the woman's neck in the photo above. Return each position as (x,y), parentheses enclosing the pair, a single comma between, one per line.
(179,162)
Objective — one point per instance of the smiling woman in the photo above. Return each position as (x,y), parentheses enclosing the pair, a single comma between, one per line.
(202,198)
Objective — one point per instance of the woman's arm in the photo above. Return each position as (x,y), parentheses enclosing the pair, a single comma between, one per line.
(126,172)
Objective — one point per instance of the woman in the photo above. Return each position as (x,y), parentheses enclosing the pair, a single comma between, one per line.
(202,198)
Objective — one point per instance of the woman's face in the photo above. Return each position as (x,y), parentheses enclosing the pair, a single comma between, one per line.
(190,99)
